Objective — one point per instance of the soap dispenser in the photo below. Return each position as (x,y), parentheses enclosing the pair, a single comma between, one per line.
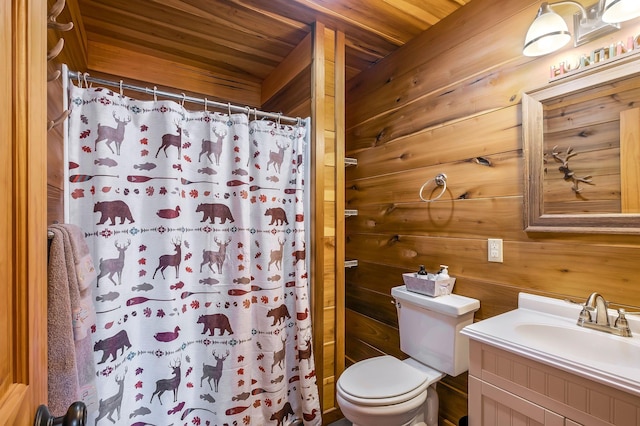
(422,271)
(442,281)
(443,273)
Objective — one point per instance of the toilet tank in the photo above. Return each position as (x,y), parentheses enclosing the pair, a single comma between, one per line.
(430,328)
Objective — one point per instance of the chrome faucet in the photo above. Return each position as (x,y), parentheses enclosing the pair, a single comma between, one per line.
(599,306)
(596,303)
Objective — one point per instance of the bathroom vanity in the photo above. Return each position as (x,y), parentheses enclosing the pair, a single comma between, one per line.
(535,366)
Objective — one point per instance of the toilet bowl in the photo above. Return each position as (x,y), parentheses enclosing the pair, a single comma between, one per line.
(384,391)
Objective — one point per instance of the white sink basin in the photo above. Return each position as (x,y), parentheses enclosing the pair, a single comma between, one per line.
(545,329)
(597,347)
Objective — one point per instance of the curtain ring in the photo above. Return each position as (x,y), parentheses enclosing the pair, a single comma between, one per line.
(229,120)
(298,122)
(79,81)
(121,89)
(278,120)
(184,97)
(155,93)
(255,114)
(440,180)
(205,105)
(86,83)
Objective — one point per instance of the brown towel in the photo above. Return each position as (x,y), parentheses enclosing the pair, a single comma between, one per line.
(71,316)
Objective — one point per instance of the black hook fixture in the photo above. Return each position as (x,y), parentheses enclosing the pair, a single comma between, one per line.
(76,416)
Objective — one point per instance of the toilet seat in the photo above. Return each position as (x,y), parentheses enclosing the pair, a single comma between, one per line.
(382,381)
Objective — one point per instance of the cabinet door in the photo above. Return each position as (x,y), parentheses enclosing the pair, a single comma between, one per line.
(492,406)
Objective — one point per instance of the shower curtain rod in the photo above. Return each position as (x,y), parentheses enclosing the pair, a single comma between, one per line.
(202,101)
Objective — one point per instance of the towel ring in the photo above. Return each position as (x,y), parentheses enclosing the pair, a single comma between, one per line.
(440,180)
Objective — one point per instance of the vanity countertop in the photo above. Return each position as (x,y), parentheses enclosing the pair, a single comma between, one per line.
(544,329)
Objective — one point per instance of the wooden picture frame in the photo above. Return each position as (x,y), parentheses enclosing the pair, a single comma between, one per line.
(607,76)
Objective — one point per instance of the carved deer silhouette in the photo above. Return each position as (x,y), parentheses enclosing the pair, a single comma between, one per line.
(167,260)
(276,158)
(276,256)
(170,384)
(215,148)
(113,266)
(169,140)
(110,134)
(278,356)
(213,371)
(113,403)
(217,257)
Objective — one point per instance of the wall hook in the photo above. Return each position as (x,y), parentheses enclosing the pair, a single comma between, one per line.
(58,120)
(56,9)
(53,75)
(56,50)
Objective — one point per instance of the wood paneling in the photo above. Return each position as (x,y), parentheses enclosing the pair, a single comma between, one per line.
(23,177)
(317,196)
(449,102)
(629,154)
(247,40)
(434,60)
(294,97)
(496,133)
(128,62)
(55,152)
(330,223)
(383,337)
(292,66)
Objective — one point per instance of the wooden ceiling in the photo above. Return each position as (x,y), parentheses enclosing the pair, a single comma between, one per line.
(247,39)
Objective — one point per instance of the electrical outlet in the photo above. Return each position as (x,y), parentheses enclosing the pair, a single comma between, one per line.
(494,246)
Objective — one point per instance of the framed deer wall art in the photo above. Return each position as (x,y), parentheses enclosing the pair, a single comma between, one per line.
(581,138)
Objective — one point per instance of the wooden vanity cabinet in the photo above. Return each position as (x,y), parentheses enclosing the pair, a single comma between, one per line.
(509,389)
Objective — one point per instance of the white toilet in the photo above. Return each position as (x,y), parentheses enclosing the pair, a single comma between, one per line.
(384,391)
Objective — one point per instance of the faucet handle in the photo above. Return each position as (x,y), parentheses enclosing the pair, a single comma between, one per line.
(622,323)
(585,314)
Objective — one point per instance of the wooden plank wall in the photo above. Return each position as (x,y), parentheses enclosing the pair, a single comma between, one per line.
(449,102)
(23,295)
(333,165)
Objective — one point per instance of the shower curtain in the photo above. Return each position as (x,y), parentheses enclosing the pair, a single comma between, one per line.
(196,224)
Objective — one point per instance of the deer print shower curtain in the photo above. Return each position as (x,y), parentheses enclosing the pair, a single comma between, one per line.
(195,221)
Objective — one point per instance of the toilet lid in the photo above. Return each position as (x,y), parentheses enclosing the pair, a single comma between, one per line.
(381,377)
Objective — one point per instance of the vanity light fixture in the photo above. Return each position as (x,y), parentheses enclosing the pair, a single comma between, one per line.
(549,31)
(620,10)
